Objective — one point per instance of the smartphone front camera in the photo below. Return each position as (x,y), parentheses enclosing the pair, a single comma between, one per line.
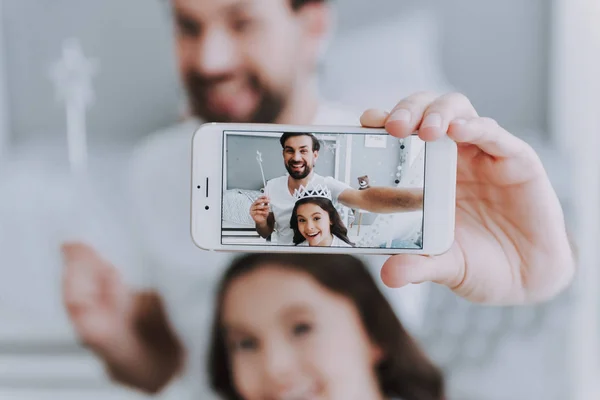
(206,208)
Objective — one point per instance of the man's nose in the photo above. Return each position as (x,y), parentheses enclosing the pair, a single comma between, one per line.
(217,54)
(297,156)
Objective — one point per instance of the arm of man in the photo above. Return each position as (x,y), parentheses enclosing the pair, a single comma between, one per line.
(267,228)
(155,355)
(383,200)
(127,329)
(264,219)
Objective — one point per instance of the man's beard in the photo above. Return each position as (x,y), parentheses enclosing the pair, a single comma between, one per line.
(268,109)
(298,175)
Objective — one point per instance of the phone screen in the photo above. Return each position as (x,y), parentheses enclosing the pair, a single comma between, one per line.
(322,189)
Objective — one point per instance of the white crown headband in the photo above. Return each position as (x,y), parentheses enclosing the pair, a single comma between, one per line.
(313,191)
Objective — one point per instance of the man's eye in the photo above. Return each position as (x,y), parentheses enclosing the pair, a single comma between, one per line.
(302,329)
(188,28)
(242,25)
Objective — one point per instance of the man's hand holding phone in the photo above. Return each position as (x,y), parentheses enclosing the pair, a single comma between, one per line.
(511,244)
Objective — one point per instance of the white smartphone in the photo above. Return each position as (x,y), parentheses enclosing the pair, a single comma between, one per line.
(321,189)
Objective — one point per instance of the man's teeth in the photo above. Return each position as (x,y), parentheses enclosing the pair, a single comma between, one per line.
(304,393)
(229,88)
(307,396)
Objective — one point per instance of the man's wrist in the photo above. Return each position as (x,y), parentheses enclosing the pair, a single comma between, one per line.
(145,353)
(135,364)
(264,230)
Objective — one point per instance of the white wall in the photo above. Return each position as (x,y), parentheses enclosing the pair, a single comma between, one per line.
(496,52)
(500,66)
(4,123)
(576,128)
(367,67)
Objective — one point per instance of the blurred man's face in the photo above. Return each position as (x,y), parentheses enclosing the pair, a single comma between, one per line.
(240,60)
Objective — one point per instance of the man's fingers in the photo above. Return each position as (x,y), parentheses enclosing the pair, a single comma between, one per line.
(91,331)
(491,138)
(424,112)
(83,276)
(115,293)
(260,203)
(260,215)
(405,117)
(73,251)
(261,208)
(441,112)
(400,270)
(373,118)
(77,283)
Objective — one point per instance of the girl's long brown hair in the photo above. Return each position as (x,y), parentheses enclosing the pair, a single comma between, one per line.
(404,372)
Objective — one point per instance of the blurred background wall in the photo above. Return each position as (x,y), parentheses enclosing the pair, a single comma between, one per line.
(497,53)
(3,90)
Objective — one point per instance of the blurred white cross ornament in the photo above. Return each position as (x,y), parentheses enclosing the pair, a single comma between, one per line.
(72,77)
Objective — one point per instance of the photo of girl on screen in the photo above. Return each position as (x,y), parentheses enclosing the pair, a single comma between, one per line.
(316,222)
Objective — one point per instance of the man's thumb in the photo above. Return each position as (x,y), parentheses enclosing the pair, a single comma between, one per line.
(403,269)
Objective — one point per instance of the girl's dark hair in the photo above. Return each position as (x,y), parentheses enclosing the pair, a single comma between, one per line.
(337,226)
(404,371)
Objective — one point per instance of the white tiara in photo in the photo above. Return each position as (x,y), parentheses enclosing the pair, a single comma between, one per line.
(312,191)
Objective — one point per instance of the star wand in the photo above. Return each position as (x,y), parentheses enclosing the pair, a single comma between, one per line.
(260,160)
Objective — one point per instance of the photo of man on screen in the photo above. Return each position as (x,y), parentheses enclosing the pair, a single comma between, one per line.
(272,211)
